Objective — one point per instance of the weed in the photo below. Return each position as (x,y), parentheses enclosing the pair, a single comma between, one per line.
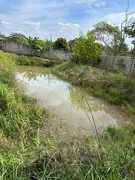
(116,88)
(35,61)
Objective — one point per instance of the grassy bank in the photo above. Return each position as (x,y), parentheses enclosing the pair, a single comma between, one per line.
(19,123)
(25,154)
(117,89)
(35,61)
(31,61)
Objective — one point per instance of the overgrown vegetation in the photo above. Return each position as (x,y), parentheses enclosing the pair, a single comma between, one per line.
(113,159)
(19,124)
(30,61)
(28,154)
(35,61)
(86,49)
(116,88)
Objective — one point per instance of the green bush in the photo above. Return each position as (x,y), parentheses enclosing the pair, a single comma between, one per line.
(86,49)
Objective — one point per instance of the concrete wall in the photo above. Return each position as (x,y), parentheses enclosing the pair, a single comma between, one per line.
(16,47)
(0,43)
(120,63)
(21,49)
(58,55)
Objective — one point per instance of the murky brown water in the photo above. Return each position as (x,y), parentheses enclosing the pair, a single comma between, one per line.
(68,102)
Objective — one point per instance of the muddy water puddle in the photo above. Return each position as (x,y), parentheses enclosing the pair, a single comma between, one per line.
(72,106)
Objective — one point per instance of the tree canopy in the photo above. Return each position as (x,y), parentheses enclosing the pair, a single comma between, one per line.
(61,43)
(110,36)
(130,31)
(18,37)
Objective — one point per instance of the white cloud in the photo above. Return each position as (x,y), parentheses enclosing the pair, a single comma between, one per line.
(69,30)
(117,18)
(68,25)
(61,31)
(90,3)
(85,1)
(32,23)
(21,32)
(100,4)
(35,25)
(6,23)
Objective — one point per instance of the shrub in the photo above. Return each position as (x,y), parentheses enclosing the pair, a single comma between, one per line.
(86,49)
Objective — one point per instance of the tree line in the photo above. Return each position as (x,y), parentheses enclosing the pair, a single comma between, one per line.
(103,38)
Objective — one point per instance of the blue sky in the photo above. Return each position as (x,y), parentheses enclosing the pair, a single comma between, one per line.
(59,18)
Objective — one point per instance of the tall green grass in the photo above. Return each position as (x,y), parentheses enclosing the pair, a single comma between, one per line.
(35,61)
(117,89)
(19,123)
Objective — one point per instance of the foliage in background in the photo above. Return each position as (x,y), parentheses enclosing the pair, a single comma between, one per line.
(101,48)
(110,36)
(130,31)
(86,49)
(39,44)
(61,43)
(71,44)
(35,42)
(18,37)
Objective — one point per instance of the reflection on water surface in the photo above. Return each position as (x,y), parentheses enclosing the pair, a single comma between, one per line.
(67,101)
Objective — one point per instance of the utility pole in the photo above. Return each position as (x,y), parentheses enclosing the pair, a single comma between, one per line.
(50,45)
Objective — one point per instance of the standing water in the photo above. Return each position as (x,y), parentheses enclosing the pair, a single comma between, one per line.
(71,105)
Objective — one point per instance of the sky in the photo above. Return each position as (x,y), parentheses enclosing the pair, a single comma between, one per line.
(59,18)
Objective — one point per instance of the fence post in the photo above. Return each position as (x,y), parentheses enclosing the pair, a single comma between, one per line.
(132,62)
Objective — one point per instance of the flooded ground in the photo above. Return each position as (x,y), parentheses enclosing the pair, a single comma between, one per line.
(72,106)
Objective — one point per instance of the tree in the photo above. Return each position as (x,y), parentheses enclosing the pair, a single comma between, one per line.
(48,44)
(101,48)
(86,49)
(18,37)
(30,41)
(130,31)
(110,36)
(61,43)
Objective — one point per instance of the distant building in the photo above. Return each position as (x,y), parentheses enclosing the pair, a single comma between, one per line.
(1,38)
